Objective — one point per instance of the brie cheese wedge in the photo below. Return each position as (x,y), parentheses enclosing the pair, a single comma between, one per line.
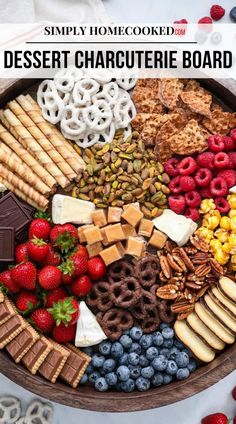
(68,209)
(177,227)
(233,189)
(88,332)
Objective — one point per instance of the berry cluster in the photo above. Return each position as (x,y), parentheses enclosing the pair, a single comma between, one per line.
(139,361)
(208,175)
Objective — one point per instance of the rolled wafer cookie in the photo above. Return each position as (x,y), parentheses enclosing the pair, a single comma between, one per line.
(20,194)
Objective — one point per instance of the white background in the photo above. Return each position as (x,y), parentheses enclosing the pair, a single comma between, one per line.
(218,397)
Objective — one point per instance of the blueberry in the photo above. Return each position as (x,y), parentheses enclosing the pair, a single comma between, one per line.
(148,372)
(146,341)
(111,379)
(160,363)
(143,361)
(124,359)
(94,376)
(157,379)
(101,384)
(178,344)
(117,350)
(182,359)
(142,384)
(127,386)
(84,379)
(192,365)
(173,352)
(136,333)
(190,355)
(168,333)
(88,350)
(133,358)
(182,373)
(126,332)
(98,360)
(105,347)
(157,339)
(165,352)
(167,378)
(135,371)
(171,367)
(232,14)
(151,353)
(135,347)
(89,369)
(126,341)
(109,365)
(168,343)
(163,325)
(123,372)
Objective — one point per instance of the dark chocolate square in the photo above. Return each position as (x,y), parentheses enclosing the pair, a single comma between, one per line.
(12,214)
(7,241)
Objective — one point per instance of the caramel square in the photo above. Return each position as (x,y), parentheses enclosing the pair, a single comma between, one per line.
(111,254)
(158,239)
(132,215)
(135,204)
(129,230)
(94,249)
(135,246)
(99,218)
(114,214)
(92,235)
(105,242)
(145,228)
(114,233)
(82,238)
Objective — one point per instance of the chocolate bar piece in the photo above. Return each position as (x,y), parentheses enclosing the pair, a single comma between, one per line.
(54,362)
(20,345)
(6,311)
(10,329)
(29,209)
(7,241)
(12,214)
(75,366)
(37,354)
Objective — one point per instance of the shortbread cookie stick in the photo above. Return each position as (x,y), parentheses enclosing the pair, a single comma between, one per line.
(25,138)
(9,158)
(42,140)
(25,156)
(20,194)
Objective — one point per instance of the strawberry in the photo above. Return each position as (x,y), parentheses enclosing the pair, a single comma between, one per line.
(26,301)
(54,296)
(49,277)
(81,250)
(80,264)
(37,249)
(39,228)
(82,286)
(21,253)
(43,320)
(24,275)
(64,237)
(65,311)
(52,257)
(217,418)
(96,268)
(67,268)
(7,282)
(63,334)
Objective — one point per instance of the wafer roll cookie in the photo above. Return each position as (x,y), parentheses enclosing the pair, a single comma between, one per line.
(20,194)
(9,158)
(25,138)
(42,140)
(24,155)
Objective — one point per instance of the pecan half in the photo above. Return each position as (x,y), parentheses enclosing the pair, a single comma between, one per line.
(201,258)
(169,246)
(165,267)
(216,268)
(199,243)
(203,270)
(181,306)
(193,285)
(201,292)
(174,263)
(186,259)
(168,292)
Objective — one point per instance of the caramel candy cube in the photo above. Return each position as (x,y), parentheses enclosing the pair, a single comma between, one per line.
(114,214)
(145,228)
(136,205)
(111,254)
(135,246)
(114,233)
(158,239)
(99,218)
(132,215)
(105,242)
(82,238)
(93,235)
(94,249)
(129,230)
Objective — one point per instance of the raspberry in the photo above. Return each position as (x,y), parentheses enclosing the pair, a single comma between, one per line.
(215,143)
(174,185)
(205,160)
(177,203)
(187,166)
(171,167)
(205,20)
(205,193)
(232,160)
(193,199)
(218,187)
(233,134)
(229,143)
(181,21)
(217,12)
(205,24)
(187,183)
(222,205)
(221,160)
(192,213)
(203,177)
(229,175)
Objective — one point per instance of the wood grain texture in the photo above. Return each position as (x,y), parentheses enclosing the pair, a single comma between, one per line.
(86,397)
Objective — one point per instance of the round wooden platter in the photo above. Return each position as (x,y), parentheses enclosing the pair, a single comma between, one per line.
(86,397)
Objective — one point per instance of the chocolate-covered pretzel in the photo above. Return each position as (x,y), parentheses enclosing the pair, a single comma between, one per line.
(119,270)
(164,312)
(115,321)
(151,322)
(125,293)
(99,297)
(147,270)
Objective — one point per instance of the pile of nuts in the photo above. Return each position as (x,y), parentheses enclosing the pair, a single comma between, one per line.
(123,172)
(187,273)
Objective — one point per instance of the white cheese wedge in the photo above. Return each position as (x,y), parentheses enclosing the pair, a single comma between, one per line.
(233,189)
(68,209)
(177,227)
(88,332)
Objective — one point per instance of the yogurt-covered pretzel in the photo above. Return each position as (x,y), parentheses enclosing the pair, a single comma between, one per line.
(72,122)
(124,112)
(110,93)
(97,116)
(10,409)
(38,412)
(66,78)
